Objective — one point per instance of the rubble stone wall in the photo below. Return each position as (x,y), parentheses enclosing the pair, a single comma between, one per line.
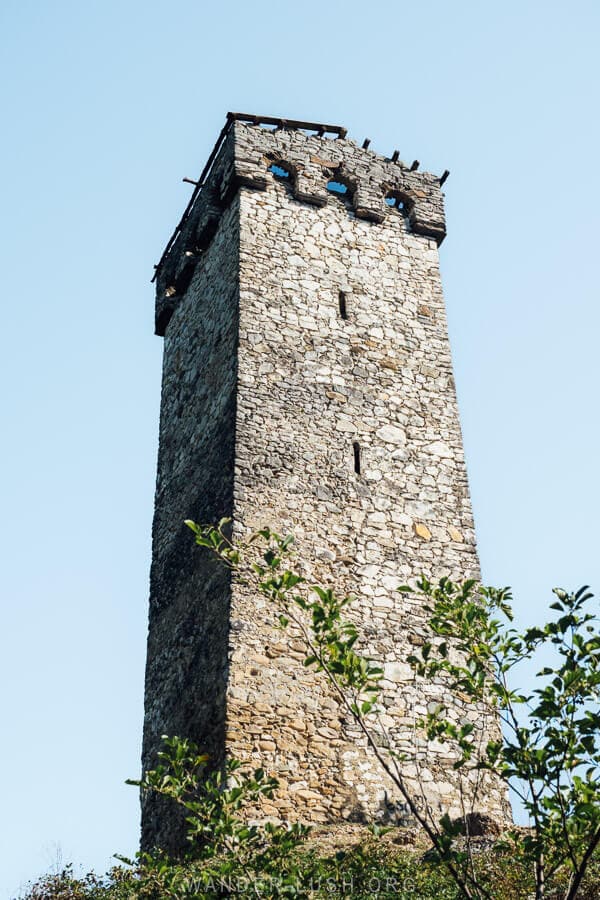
(340,349)
(186,664)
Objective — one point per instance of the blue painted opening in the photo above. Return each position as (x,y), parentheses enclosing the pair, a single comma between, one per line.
(397,201)
(337,187)
(279,171)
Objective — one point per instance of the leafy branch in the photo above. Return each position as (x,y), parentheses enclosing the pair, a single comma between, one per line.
(316,613)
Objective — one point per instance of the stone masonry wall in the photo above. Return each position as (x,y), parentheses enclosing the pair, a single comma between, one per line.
(306,386)
(312,384)
(186,665)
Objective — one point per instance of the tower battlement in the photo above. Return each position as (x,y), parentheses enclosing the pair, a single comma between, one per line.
(307,385)
(242,157)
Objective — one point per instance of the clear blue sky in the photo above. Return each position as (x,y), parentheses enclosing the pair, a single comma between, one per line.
(105,107)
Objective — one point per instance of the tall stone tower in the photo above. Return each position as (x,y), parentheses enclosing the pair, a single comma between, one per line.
(307,385)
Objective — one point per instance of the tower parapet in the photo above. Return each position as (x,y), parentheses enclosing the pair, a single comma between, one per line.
(242,157)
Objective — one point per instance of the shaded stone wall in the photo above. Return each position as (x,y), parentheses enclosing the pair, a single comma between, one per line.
(186,666)
(306,390)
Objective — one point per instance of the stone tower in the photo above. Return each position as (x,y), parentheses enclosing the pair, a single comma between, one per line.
(307,385)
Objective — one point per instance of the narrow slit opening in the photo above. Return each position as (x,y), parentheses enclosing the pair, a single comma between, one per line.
(356,449)
(343,307)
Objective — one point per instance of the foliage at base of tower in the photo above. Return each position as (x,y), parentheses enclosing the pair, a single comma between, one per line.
(550,754)
(221,845)
(226,857)
(373,869)
(550,751)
